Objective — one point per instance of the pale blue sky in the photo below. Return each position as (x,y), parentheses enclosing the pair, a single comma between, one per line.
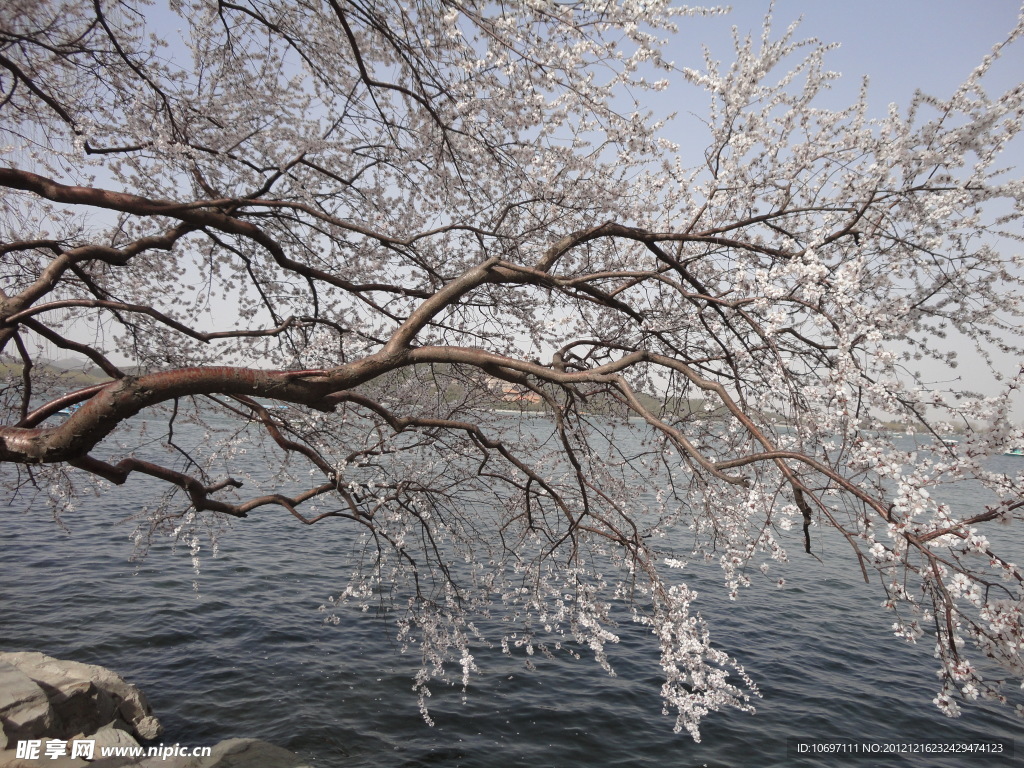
(901,45)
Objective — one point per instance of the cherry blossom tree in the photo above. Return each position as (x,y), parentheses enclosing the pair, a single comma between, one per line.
(354,235)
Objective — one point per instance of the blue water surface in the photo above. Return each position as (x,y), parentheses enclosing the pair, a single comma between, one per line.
(241,650)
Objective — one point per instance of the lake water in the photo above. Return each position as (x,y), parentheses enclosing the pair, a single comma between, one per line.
(241,650)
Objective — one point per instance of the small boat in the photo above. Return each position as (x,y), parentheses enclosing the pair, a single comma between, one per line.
(1015,452)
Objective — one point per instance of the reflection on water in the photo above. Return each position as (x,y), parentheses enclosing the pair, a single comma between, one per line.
(241,650)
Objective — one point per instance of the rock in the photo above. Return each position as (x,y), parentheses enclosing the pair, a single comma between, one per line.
(46,699)
(84,697)
(232,753)
(9,759)
(114,735)
(250,753)
(25,710)
(148,728)
(245,753)
(81,705)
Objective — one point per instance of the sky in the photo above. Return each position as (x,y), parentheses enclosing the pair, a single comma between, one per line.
(901,46)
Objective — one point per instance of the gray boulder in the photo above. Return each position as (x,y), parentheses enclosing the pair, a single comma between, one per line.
(49,699)
(234,753)
(82,697)
(25,708)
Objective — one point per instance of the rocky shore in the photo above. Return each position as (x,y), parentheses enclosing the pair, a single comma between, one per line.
(65,713)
